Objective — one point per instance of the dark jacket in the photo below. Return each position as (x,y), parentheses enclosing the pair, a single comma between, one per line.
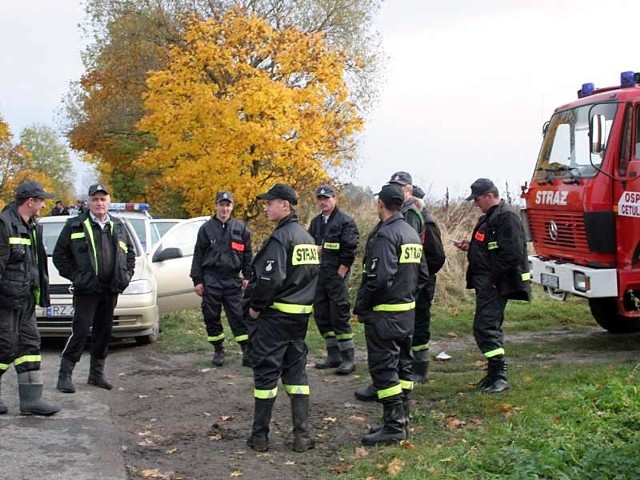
(498,249)
(23,261)
(433,248)
(285,270)
(78,256)
(338,238)
(413,217)
(223,249)
(394,268)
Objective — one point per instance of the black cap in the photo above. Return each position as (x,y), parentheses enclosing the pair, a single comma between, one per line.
(417,192)
(280,191)
(391,195)
(97,187)
(325,191)
(32,189)
(480,187)
(224,195)
(58,201)
(401,178)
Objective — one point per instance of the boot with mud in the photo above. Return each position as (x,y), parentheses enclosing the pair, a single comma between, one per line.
(65,384)
(30,392)
(420,367)
(367,394)
(497,381)
(333,359)
(218,355)
(406,404)
(393,430)
(259,439)
(96,374)
(348,364)
(302,441)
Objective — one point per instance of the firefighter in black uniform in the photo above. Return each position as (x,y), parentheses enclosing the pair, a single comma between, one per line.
(95,252)
(336,235)
(393,270)
(498,271)
(24,282)
(222,251)
(280,299)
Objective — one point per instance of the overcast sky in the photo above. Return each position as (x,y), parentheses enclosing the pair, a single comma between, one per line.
(467,86)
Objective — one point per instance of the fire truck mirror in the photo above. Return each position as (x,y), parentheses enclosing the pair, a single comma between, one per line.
(596,133)
(545,127)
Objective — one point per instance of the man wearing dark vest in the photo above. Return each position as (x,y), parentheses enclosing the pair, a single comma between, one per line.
(24,282)
(280,299)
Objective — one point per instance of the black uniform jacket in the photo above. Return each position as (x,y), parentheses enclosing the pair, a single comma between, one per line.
(23,261)
(76,255)
(223,249)
(498,249)
(394,268)
(285,269)
(338,238)
(433,248)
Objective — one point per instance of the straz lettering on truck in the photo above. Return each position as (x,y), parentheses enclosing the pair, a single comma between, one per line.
(629,204)
(410,253)
(304,254)
(551,197)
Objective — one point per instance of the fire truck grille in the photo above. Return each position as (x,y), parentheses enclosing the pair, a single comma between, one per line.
(558,230)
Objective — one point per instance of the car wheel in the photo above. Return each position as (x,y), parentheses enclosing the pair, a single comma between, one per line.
(152,337)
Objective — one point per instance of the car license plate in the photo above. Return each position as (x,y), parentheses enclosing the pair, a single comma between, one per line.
(551,281)
(60,311)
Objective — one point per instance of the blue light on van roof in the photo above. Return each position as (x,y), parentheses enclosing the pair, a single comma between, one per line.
(586,90)
(627,79)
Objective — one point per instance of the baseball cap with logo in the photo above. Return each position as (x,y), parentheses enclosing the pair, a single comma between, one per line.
(32,189)
(97,187)
(391,195)
(401,178)
(480,187)
(224,195)
(325,191)
(280,191)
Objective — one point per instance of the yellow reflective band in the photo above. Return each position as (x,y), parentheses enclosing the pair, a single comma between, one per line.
(390,392)
(87,224)
(331,246)
(525,276)
(406,384)
(329,335)
(265,394)
(394,307)
(494,353)
(296,389)
(216,338)
(305,254)
(123,246)
(492,245)
(292,308)
(19,241)
(419,348)
(345,336)
(27,359)
(4,366)
(242,338)
(410,253)
(75,236)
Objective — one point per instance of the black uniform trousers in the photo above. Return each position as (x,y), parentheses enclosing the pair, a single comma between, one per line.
(93,316)
(422,331)
(19,339)
(389,355)
(489,315)
(331,308)
(223,292)
(277,350)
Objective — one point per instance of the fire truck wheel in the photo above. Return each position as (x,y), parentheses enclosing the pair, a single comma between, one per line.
(605,311)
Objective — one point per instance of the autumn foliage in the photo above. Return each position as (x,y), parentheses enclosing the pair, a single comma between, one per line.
(243,105)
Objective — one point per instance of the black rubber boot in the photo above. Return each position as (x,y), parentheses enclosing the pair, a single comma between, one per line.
(333,359)
(497,381)
(245,354)
(393,430)
(96,374)
(302,441)
(367,394)
(3,407)
(406,404)
(30,392)
(348,364)
(218,355)
(65,384)
(259,439)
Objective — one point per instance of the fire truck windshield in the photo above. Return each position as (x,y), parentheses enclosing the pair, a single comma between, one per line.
(566,151)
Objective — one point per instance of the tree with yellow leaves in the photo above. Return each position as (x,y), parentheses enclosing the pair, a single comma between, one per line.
(243,105)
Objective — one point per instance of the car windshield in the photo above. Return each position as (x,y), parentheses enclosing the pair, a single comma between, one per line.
(163,226)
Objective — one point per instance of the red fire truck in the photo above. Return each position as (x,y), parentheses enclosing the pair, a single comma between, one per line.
(583,203)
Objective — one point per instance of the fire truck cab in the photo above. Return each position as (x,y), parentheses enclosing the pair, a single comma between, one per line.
(583,203)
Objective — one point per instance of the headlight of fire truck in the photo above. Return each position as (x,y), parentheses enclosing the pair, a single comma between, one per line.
(581,282)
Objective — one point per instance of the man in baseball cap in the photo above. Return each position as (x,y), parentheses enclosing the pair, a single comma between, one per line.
(280,191)
(98,187)
(32,189)
(480,187)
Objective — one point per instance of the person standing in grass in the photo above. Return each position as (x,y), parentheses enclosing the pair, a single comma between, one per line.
(498,271)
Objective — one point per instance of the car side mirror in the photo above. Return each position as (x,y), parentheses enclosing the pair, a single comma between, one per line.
(167,254)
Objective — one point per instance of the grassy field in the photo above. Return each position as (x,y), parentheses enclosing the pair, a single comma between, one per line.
(573,411)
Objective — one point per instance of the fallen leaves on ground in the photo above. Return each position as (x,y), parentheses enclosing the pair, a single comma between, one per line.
(342,468)
(356,418)
(361,452)
(236,473)
(329,419)
(395,467)
(406,444)
(452,422)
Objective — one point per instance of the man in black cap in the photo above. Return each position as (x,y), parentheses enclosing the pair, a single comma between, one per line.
(336,235)
(24,282)
(222,251)
(498,271)
(394,269)
(279,301)
(59,209)
(95,252)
